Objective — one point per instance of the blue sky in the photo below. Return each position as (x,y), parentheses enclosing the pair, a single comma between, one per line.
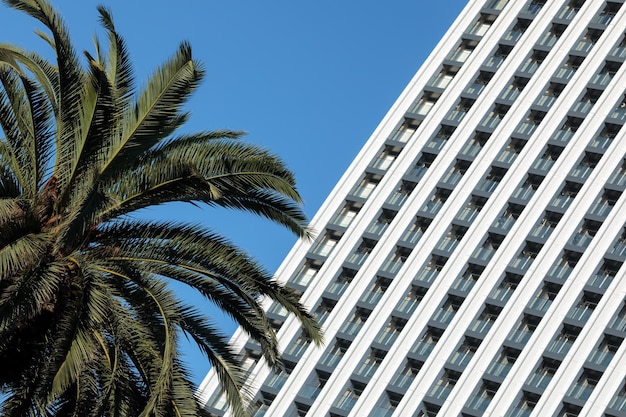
(308,80)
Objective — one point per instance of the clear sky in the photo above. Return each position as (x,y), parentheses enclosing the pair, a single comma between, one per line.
(308,80)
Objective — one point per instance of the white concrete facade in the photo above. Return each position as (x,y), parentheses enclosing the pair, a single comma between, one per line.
(470,261)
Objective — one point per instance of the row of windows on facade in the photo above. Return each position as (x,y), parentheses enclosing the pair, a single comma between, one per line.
(600,80)
(579,312)
(560,202)
(535,384)
(544,227)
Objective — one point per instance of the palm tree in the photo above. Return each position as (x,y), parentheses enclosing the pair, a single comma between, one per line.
(89,325)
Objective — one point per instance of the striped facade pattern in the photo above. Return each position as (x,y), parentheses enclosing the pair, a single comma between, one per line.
(470,262)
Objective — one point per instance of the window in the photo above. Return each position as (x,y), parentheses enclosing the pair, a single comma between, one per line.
(436,142)
(619,176)
(471,210)
(564,340)
(588,40)
(527,189)
(618,322)
(495,116)
(544,296)
(386,405)
(619,247)
(297,347)
(463,51)
(483,23)
(605,137)
(384,219)
(451,240)
(552,36)
(335,353)
(503,362)
(447,310)
(362,252)
(442,388)
(478,85)
(585,165)
(399,196)
(390,333)
(346,214)
(356,322)
(388,155)
(496,4)
(534,6)
(376,290)
(405,131)
(444,77)
(475,144)
(459,111)
(549,157)
(607,14)
(498,56)
(508,217)
(581,389)
(524,329)
(370,363)
(528,126)
(604,204)
(563,266)
(605,274)
(514,89)
(413,234)
(465,282)
(395,261)
(456,172)
(411,299)
(465,352)
(481,398)
(506,287)
(483,322)
(564,198)
(407,375)
(427,342)
(546,225)
(436,200)
(584,235)
(526,256)
(511,151)
(552,92)
(366,186)
(605,351)
(339,285)
(314,385)
(306,273)
(431,270)
(570,9)
(489,247)
(327,243)
(533,62)
(618,402)
(492,179)
(516,32)
(524,407)
(567,130)
(587,101)
(324,309)
(543,374)
(569,67)
(421,166)
(425,103)
(350,396)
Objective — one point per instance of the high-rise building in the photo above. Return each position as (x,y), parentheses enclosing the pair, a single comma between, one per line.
(471,260)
